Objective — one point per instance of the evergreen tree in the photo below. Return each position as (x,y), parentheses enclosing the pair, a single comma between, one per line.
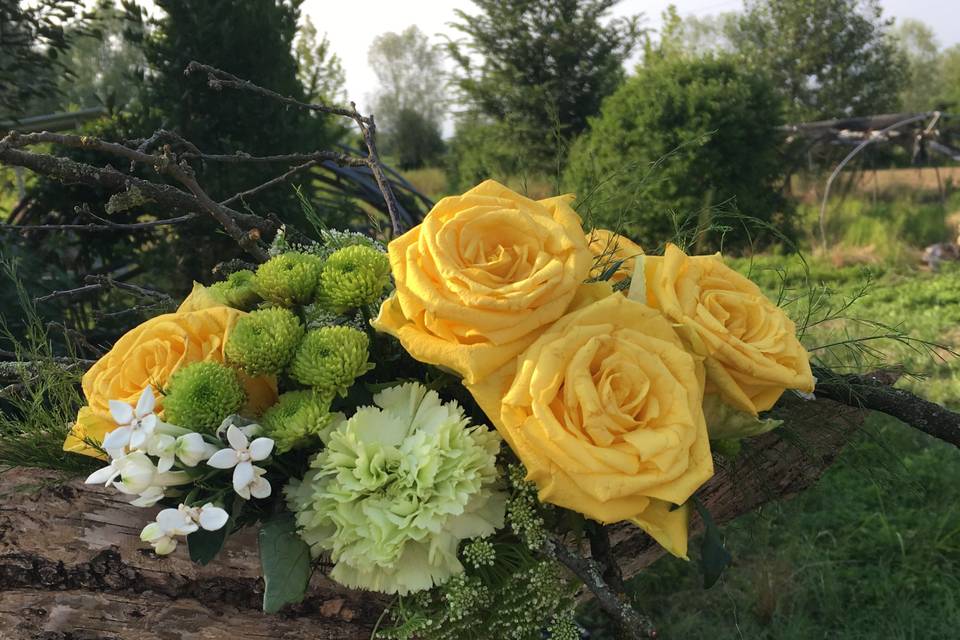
(540,69)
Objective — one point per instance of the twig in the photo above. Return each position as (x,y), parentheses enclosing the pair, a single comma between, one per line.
(72,172)
(343,159)
(68,171)
(873,392)
(99,283)
(269,183)
(219,79)
(632,623)
(106,226)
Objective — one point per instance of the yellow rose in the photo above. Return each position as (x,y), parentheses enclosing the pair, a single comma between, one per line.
(608,248)
(604,409)
(481,276)
(148,355)
(749,344)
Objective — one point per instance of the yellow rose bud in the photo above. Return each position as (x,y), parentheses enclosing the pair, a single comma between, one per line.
(148,355)
(610,248)
(481,276)
(605,410)
(750,346)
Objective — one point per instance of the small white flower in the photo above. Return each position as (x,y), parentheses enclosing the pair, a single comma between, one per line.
(248,427)
(150,497)
(192,449)
(208,516)
(138,476)
(105,476)
(247,478)
(161,534)
(137,473)
(136,424)
(182,521)
(162,447)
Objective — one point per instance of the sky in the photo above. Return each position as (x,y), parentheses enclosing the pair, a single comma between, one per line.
(352,28)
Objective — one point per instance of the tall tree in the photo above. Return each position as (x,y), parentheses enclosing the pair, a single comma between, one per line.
(412,100)
(410,73)
(541,68)
(919,45)
(830,58)
(949,91)
(34,39)
(104,58)
(319,69)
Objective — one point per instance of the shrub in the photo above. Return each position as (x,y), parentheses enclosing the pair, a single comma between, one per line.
(681,145)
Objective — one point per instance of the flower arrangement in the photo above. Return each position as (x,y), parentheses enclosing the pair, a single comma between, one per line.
(431,417)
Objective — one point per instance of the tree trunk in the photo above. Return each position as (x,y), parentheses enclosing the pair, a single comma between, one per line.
(72,566)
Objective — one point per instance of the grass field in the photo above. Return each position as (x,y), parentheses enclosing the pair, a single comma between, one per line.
(872,551)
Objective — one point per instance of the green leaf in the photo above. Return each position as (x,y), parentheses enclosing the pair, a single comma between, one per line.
(205,545)
(714,557)
(285,562)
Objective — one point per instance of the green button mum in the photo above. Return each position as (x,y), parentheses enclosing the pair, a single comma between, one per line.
(289,279)
(331,358)
(353,277)
(264,341)
(237,290)
(297,420)
(201,395)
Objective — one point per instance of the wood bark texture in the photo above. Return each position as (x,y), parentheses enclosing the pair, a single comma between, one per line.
(72,566)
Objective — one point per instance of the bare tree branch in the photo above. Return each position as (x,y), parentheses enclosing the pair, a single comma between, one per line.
(632,623)
(219,79)
(873,392)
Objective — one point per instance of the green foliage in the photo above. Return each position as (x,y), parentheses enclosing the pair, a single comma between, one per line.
(32,55)
(676,145)
(201,395)
(517,598)
(220,33)
(415,141)
(950,78)
(264,341)
(544,67)
(38,400)
(284,563)
(828,58)
(892,228)
(922,82)
(318,67)
(870,551)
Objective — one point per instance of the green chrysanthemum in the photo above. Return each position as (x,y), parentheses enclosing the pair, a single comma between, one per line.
(237,290)
(396,490)
(264,341)
(331,358)
(353,277)
(289,279)
(297,419)
(201,395)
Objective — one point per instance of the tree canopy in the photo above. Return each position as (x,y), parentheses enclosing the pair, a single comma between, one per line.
(540,69)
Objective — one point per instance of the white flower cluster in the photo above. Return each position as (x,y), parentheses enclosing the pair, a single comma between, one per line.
(149,456)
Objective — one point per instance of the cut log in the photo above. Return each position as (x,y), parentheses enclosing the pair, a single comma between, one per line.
(72,566)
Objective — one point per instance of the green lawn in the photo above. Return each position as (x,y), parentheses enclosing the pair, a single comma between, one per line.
(873,551)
